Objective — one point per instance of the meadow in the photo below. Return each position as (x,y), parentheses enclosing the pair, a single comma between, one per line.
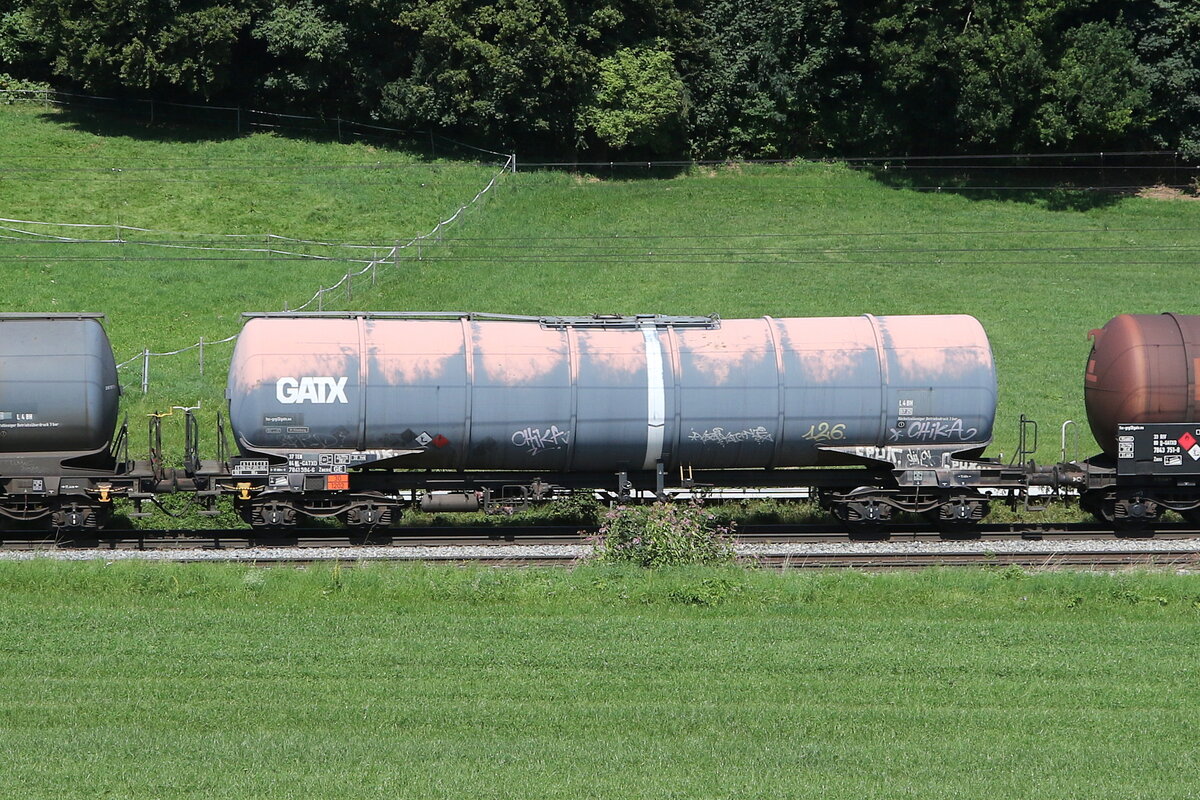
(159,681)
(1039,268)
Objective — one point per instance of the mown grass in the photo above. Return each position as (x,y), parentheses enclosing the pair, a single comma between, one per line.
(1040,270)
(382,681)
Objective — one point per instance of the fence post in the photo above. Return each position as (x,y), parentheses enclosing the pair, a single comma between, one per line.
(339,123)
(201,356)
(145,370)
(239,120)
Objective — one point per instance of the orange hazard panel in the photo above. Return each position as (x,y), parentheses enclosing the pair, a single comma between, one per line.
(337,482)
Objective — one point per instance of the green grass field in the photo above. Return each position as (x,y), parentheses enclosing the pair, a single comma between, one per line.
(1039,270)
(155,681)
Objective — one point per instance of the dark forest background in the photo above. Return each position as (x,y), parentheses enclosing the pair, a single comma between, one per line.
(629,78)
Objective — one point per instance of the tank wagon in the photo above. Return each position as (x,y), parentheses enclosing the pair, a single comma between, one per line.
(62,458)
(360,416)
(1142,393)
(348,414)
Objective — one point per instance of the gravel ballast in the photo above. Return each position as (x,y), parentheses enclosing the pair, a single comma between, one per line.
(494,553)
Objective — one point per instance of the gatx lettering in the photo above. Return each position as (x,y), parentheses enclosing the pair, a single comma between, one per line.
(311,389)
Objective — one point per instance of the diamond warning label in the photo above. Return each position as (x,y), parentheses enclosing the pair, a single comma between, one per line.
(1187,441)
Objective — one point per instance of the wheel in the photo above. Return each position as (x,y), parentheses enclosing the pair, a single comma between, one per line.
(272,523)
(1098,505)
(958,518)
(866,520)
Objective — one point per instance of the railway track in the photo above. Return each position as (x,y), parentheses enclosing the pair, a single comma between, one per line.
(1072,559)
(533,535)
(881,561)
(1052,546)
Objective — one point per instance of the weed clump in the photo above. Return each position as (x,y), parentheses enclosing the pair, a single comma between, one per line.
(664,535)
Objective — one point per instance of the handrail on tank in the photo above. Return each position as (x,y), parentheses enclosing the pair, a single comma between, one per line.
(587,321)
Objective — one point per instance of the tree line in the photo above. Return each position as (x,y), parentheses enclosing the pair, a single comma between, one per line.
(618,78)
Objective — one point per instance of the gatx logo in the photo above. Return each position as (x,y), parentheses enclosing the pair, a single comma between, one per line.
(311,389)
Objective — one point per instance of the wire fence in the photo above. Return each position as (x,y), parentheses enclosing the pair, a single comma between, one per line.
(362,259)
(239,121)
(345,284)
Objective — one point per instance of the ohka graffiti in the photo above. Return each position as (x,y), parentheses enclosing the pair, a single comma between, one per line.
(932,429)
(538,439)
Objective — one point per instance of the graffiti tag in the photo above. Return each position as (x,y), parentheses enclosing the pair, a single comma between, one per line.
(824,432)
(722,437)
(538,439)
(933,429)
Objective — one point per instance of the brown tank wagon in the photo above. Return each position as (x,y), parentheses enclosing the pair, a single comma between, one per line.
(1143,368)
(1142,392)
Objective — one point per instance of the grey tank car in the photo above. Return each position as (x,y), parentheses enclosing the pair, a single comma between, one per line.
(59,392)
(562,395)
(63,459)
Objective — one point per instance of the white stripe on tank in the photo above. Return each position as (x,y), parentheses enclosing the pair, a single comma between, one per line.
(656,398)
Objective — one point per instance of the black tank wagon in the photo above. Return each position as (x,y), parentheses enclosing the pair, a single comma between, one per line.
(62,456)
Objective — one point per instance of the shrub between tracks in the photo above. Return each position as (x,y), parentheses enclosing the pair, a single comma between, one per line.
(664,535)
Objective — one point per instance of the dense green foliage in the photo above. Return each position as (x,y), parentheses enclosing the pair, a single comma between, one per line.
(167,681)
(711,78)
(664,535)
